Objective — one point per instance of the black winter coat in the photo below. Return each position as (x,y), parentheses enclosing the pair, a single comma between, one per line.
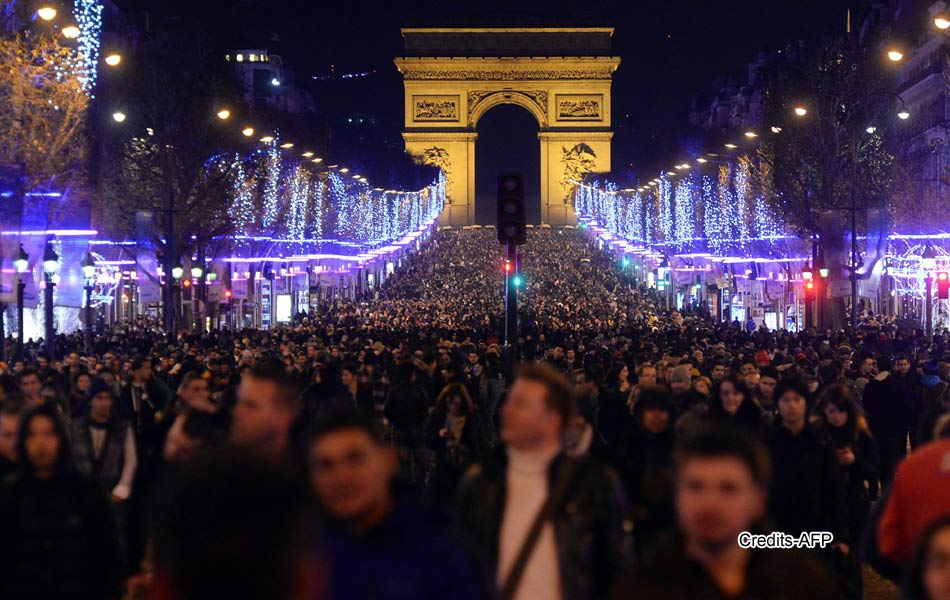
(59,540)
(888,409)
(592,527)
(647,472)
(808,492)
(774,574)
(407,409)
(861,477)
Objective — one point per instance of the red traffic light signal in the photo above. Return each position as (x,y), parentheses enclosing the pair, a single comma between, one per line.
(507,266)
(228,294)
(809,290)
(943,285)
(186,283)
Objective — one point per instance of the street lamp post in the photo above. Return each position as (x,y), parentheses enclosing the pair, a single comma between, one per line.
(928,262)
(903,114)
(210,278)
(197,276)
(821,290)
(177,273)
(805,320)
(22,264)
(50,268)
(88,274)
(133,306)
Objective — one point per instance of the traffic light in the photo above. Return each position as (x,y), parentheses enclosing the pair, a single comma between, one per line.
(809,290)
(943,285)
(508,266)
(228,294)
(516,280)
(511,218)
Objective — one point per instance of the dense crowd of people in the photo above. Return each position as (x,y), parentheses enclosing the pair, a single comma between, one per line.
(393,447)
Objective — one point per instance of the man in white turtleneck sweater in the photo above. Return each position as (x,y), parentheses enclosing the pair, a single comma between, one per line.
(530,452)
(500,499)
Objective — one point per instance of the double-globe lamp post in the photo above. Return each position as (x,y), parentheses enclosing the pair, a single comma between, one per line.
(801,111)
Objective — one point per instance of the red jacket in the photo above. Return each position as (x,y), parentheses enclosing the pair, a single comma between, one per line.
(921,494)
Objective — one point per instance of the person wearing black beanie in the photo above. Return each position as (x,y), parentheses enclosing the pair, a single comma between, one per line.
(647,465)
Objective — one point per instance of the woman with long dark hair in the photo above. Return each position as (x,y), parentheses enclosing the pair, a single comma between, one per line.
(78,402)
(731,403)
(59,539)
(454,432)
(843,421)
(614,416)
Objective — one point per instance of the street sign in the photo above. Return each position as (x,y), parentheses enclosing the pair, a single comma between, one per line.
(840,288)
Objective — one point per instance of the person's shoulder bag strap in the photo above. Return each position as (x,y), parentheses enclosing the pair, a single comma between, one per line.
(547,512)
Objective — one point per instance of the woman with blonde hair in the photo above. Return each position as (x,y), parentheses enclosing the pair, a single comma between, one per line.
(702,385)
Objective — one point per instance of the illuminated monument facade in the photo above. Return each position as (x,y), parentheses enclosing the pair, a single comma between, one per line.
(562,76)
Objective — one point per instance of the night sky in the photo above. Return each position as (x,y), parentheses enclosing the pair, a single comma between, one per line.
(671,51)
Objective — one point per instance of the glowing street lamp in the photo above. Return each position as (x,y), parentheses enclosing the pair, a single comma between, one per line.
(178,271)
(50,260)
(903,114)
(88,267)
(928,262)
(118,117)
(50,268)
(113,59)
(46,13)
(22,265)
(895,55)
(801,111)
(196,272)
(224,114)
(942,21)
(88,273)
(248,131)
(71,32)
(22,261)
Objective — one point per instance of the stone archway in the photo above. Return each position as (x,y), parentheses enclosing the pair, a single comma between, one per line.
(507,143)
(452,77)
